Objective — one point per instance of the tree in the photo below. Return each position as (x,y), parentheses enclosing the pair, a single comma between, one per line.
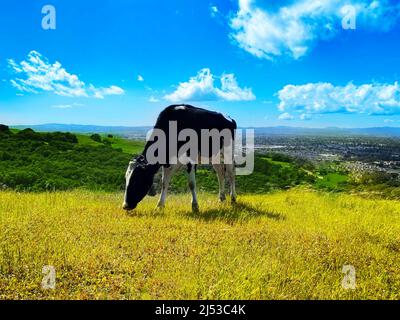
(4,128)
(96,137)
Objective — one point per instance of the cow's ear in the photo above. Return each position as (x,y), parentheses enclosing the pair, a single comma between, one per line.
(142,161)
(139,160)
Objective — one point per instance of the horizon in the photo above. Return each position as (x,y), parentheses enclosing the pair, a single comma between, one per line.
(239,127)
(123,70)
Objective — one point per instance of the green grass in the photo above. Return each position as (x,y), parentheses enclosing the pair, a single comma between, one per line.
(332,181)
(127,146)
(280,163)
(285,245)
(86,140)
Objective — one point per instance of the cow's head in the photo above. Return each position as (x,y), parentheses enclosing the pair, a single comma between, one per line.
(139,181)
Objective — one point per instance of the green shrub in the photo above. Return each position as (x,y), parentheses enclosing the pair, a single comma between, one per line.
(96,137)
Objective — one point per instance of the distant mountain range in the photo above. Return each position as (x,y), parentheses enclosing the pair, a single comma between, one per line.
(260,131)
(79,128)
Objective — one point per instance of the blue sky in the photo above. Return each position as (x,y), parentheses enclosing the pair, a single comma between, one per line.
(264,63)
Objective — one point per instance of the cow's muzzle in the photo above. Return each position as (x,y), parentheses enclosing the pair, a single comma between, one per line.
(127,207)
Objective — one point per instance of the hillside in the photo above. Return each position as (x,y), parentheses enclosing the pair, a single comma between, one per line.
(32,161)
(285,245)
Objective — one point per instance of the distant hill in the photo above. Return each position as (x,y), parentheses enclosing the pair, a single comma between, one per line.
(140,132)
(133,132)
(331,131)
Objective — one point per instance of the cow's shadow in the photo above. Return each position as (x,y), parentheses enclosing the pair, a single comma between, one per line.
(235,212)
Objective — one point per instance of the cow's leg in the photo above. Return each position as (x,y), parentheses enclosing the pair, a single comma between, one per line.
(192,187)
(230,171)
(220,170)
(167,173)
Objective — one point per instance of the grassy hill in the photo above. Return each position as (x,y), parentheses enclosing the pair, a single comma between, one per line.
(284,245)
(126,146)
(31,161)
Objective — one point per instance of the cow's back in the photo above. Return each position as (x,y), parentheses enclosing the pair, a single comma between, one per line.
(187,116)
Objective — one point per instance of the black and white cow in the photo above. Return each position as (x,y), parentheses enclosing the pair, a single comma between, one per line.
(140,172)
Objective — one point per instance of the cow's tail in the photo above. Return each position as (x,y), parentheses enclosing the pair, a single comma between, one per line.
(234,127)
(234,124)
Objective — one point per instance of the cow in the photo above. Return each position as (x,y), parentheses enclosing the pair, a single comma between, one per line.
(141,172)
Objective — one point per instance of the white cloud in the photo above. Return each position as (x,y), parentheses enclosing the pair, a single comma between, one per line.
(214,11)
(295,28)
(201,88)
(320,98)
(305,116)
(36,74)
(286,116)
(13,65)
(67,106)
(100,93)
(153,99)
(140,78)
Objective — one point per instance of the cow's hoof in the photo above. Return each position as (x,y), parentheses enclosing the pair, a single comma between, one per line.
(222,198)
(195,208)
(233,201)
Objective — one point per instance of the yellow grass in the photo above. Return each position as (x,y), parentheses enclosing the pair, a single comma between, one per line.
(288,245)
